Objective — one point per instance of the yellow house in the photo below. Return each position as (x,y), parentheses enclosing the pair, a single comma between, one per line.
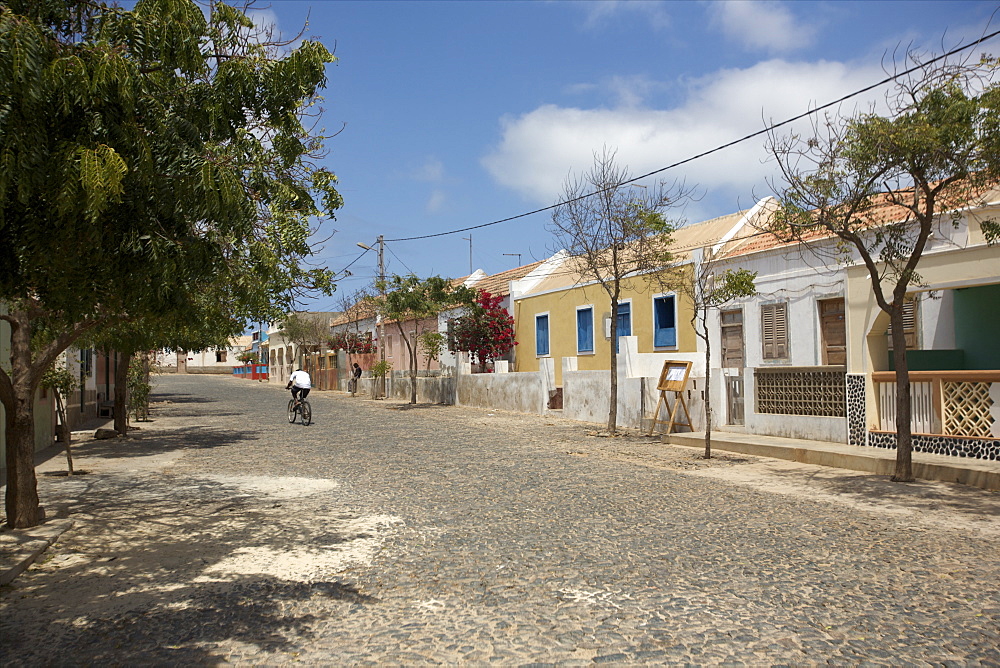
(565,315)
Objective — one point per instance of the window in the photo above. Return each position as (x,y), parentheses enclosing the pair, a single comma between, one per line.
(542,334)
(585,329)
(220,355)
(664,321)
(909,325)
(774,330)
(623,326)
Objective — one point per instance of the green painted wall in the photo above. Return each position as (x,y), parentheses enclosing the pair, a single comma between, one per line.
(977,326)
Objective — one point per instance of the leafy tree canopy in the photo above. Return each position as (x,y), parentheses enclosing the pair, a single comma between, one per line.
(147,155)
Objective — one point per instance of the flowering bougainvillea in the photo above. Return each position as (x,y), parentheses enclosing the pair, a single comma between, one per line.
(487,331)
(353,343)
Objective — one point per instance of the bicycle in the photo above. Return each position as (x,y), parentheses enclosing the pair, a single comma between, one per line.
(302,408)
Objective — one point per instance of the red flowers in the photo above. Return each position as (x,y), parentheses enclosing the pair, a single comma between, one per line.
(487,332)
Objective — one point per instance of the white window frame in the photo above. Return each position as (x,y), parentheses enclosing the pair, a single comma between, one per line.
(548,334)
(652,307)
(593,330)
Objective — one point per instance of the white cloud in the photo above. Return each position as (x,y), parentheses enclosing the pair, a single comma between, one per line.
(761,25)
(538,150)
(432,171)
(436,201)
(600,13)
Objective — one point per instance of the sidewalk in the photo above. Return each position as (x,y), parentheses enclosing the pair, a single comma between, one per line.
(980,473)
(19,548)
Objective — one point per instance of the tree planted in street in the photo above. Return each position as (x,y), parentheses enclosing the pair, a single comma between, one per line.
(410,300)
(616,231)
(708,288)
(880,184)
(145,155)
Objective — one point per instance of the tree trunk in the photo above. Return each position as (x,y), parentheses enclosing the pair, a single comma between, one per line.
(121,392)
(904,437)
(64,433)
(613,408)
(21,501)
(708,387)
(413,366)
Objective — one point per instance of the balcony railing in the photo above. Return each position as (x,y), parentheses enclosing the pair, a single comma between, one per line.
(949,403)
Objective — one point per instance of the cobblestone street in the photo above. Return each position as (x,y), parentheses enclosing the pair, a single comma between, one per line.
(385,534)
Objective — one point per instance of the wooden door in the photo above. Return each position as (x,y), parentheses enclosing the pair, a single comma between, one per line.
(732,339)
(834,331)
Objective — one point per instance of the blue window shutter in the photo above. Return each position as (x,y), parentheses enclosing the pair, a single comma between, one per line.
(623,326)
(585,330)
(665,327)
(541,335)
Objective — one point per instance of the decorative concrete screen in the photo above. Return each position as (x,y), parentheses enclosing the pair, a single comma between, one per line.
(801,391)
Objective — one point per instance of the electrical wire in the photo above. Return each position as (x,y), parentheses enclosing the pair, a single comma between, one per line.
(717,148)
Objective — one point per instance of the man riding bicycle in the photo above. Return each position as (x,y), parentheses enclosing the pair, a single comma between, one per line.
(300,384)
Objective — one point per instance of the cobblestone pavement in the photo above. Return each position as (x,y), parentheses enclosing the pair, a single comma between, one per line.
(393,535)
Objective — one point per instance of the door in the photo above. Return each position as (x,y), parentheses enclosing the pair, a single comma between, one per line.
(732,339)
(732,358)
(834,331)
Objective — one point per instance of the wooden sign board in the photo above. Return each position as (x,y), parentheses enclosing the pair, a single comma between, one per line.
(674,376)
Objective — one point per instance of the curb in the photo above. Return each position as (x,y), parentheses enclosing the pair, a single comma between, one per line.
(19,548)
(974,473)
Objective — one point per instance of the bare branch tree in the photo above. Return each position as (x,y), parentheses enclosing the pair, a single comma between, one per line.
(615,230)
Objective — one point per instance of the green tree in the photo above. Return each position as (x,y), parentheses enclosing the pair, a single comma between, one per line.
(431,344)
(410,300)
(62,383)
(616,231)
(145,156)
(310,332)
(931,156)
(708,288)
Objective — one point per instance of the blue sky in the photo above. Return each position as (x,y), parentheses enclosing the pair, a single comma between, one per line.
(456,114)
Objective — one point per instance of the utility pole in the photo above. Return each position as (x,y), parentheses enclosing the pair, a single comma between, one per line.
(469,239)
(381,283)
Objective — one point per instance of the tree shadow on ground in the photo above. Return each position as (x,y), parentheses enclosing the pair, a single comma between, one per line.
(410,407)
(176,398)
(183,438)
(930,495)
(155,572)
(247,611)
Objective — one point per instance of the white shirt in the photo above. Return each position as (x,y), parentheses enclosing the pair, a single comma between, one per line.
(300,379)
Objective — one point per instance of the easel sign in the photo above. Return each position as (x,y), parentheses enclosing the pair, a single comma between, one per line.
(673,378)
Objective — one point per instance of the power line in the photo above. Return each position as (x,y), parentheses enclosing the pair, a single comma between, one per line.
(717,148)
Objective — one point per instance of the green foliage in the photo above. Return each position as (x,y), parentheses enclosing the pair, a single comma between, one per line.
(139,388)
(130,148)
(731,285)
(410,298)
(431,344)
(381,368)
(308,331)
(57,377)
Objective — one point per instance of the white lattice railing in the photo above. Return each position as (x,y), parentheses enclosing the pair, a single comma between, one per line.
(951,403)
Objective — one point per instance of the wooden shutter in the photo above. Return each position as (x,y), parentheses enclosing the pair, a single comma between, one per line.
(774,331)
(909,325)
